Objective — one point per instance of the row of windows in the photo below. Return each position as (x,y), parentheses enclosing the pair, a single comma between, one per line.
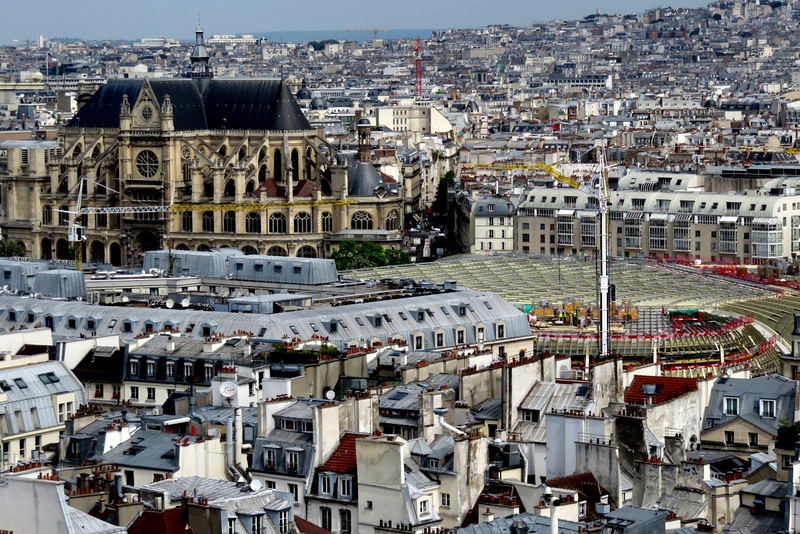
(345,519)
(277,222)
(22,450)
(765,407)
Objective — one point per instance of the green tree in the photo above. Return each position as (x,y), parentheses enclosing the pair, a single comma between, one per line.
(10,248)
(353,255)
(397,257)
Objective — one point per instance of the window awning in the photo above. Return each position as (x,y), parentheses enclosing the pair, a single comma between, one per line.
(683,217)
(565,213)
(588,213)
(659,216)
(728,219)
(766,220)
(634,215)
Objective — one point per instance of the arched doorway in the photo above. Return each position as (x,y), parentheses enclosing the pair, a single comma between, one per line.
(46,249)
(147,241)
(182,246)
(203,248)
(62,250)
(97,252)
(249,251)
(115,254)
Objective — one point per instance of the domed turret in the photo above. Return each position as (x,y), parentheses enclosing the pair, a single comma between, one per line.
(318,103)
(303,93)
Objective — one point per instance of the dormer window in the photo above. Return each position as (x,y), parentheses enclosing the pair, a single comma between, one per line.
(423,507)
(731,406)
(767,408)
(433,463)
(346,488)
(269,458)
(325,484)
(292,459)
(134,368)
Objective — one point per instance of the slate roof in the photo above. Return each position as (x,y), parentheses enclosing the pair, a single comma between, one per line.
(86,524)
(767,488)
(364,181)
(750,392)
(483,307)
(488,409)
(745,522)
(343,459)
(36,393)
(153,448)
(220,104)
(535,523)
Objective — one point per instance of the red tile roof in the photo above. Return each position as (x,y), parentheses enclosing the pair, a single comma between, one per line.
(304,188)
(343,459)
(665,388)
(163,522)
(309,528)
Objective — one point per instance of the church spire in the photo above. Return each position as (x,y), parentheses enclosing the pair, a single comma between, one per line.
(200,57)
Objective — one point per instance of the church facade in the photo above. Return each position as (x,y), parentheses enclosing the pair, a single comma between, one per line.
(192,164)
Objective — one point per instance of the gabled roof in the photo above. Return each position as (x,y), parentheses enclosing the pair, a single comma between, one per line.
(343,459)
(657,389)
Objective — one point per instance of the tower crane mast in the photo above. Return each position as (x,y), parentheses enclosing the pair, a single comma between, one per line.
(418,67)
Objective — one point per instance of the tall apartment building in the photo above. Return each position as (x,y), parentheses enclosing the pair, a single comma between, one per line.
(717,227)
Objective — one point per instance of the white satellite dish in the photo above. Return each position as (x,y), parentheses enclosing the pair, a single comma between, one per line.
(170,303)
(227,389)
(330,395)
(255,485)
(185,303)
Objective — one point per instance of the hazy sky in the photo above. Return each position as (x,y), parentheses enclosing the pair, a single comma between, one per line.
(111,19)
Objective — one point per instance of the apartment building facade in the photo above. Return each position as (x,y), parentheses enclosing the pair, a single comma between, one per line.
(740,228)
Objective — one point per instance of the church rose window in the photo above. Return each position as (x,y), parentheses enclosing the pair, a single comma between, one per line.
(147,163)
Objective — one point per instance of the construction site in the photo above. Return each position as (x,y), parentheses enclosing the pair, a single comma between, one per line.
(692,321)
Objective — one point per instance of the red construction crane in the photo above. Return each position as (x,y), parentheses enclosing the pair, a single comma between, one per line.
(418,67)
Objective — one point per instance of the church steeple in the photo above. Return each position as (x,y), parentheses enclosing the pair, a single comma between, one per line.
(200,67)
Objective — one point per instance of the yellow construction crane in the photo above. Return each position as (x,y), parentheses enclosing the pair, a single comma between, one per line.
(213,207)
(77,232)
(549,169)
